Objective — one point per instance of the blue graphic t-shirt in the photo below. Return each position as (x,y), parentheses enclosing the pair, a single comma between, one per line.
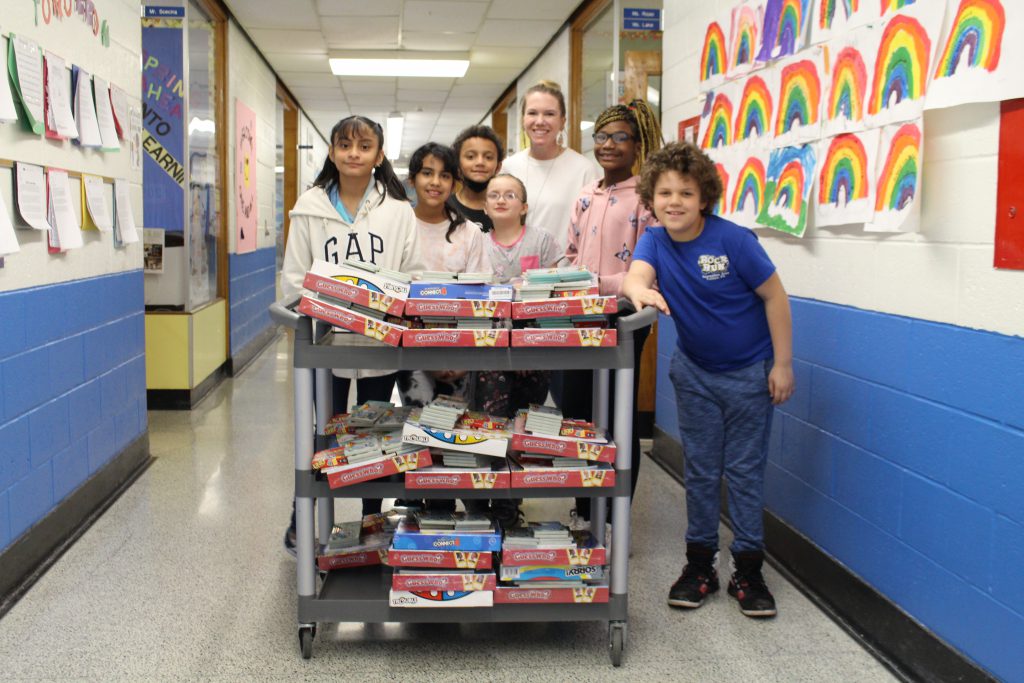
(709,285)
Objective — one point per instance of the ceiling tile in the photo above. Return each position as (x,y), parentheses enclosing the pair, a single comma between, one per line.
(359,8)
(516,33)
(368,86)
(495,75)
(422,95)
(375,102)
(425,83)
(365,32)
(273,40)
(306,79)
(252,14)
(493,56)
(531,8)
(456,17)
(431,108)
(433,40)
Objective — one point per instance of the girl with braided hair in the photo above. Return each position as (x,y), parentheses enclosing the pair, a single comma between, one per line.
(607,220)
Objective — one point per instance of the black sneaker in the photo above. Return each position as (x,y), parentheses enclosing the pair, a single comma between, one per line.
(695,583)
(289,541)
(748,587)
(506,513)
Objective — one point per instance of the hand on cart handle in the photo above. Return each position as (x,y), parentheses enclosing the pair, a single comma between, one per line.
(650,297)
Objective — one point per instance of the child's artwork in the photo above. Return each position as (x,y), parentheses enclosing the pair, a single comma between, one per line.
(784,31)
(846,87)
(755,107)
(832,18)
(897,201)
(974,62)
(747,20)
(721,206)
(788,185)
(902,63)
(846,176)
(748,190)
(890,6)
(713,60)
(798,106)
(716,121)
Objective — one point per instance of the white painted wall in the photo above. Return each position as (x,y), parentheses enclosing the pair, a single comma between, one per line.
(944,273)
(553,65)
(253,82)
(71,39)
(311,160)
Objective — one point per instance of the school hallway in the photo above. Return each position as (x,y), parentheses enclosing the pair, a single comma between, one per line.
(185,577)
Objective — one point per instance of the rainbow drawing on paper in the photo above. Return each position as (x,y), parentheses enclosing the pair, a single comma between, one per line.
(827,11)
(901,68)
(746,26)
(893,5)
(718,132)
(898,177)
(799,96)
(720,207)
(712,57)
(789,178)
(977,32)
(783,32)
(844,171)
(748,196)
(754,113)
(849,86)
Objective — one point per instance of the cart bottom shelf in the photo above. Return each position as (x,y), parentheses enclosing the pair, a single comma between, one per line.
(361,595)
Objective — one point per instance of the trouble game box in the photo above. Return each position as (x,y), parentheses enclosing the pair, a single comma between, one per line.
(576,336)
(441,598)
(440,559)
(496,338)
(453,478)
(358,286)
(523,595)
(564,306)
(469,441)
(444,581)
(353,321)
(346,475)
(555,477)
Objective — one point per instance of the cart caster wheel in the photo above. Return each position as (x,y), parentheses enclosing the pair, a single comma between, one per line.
(616,642)
(306,634)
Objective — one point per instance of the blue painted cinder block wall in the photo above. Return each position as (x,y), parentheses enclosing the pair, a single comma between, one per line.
(901,455)
(252,289)
(72,389)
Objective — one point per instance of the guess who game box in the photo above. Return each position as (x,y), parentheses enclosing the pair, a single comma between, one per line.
(339,316)
(579,595)
(598,450)
(578,556)
(420,580)
(346,475)
(564,306)
(453,478)
(440,559)
(555,477)
(357,286)
(356,557)
(458,308)
(494,338)
(562,337)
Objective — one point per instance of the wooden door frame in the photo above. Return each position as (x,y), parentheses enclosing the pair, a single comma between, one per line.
(581,21)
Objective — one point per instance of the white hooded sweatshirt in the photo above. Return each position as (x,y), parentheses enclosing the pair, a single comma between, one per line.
(384,234)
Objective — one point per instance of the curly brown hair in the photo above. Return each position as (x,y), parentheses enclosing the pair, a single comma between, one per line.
(685,158)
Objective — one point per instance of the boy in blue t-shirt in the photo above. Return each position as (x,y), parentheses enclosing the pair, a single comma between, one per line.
(734,362)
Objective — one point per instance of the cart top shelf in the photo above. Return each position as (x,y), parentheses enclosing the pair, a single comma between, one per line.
(331,350)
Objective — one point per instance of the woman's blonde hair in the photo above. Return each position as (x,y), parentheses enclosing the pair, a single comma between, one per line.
(548,88)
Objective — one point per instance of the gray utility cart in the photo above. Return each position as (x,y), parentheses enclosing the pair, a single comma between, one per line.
(362,595)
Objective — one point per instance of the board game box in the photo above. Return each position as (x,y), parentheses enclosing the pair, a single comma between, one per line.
(353,321)
(563,337)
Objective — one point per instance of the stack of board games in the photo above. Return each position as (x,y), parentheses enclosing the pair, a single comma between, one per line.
(358,297)
(541,470)
(362,453)
(556,307)
(443,412)
(460,536)
(463,311)
(574,439)
(469,456)
(547,283)
(544,458)
(545,562)
(357,544)
(543,420)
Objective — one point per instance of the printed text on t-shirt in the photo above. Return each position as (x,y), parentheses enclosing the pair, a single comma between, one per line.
(713,267)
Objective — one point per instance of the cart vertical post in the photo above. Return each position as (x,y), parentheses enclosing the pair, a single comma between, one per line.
(324,410)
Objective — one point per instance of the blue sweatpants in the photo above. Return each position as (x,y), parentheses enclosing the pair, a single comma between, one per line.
(724,421)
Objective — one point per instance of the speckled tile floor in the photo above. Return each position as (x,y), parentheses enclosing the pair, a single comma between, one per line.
(184,578)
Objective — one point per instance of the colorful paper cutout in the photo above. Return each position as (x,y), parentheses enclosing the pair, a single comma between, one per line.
(789,178)
(897,205)
(784,31)
(846,179)
(798,105)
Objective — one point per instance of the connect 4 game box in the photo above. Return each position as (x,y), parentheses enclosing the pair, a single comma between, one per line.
(455,290)
(358,286)
(353,321)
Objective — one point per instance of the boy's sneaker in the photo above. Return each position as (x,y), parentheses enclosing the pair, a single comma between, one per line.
(577,523)
(748,587)
(698,580)
(289,541)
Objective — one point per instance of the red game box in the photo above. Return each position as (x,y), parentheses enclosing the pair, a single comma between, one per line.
(497,338)
(579,336)
(524,557)
(358,286)
(441,559)
(558,477)
(563,306)
(523,595)
(444,582)
(346,475)
(452,478)
(563,446)
(458,308)
(350,320)
(362,558)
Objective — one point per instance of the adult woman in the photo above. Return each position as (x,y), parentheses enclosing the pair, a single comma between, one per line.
(553,174)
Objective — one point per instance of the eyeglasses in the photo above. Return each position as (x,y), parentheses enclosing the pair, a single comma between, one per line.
(509,196)
(618,138)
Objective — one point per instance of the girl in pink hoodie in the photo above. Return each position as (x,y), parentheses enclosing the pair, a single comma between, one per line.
(607,220)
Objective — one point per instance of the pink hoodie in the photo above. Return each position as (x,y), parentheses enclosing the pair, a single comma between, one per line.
(605,226)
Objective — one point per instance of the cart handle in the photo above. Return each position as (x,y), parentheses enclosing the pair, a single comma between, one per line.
(281,311)
(634,321)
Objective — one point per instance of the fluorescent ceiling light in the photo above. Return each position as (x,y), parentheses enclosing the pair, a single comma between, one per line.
(393,135)
(422,68)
